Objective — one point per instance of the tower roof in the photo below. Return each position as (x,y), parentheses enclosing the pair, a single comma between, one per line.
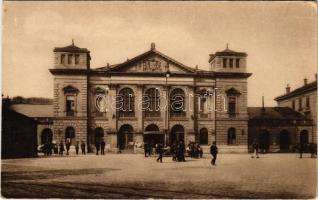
(71,48)
(227,52)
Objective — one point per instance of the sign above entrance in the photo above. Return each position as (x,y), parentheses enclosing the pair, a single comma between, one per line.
(151,65)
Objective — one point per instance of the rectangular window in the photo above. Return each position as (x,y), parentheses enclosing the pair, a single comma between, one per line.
(224,62)
(237,63)
(70,105)
(293,104)
(232,105)
(76,58)
(307,102)
(300,104)
(231,63)
(62,58)
(70,58)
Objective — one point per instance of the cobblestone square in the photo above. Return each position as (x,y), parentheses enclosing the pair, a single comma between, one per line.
(134,176)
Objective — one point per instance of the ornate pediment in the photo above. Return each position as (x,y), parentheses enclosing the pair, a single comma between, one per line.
(150,61)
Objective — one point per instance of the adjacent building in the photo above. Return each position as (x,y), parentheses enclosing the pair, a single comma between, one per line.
(18,133)
(304,100)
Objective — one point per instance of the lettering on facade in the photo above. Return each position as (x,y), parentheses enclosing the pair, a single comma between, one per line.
(151,65)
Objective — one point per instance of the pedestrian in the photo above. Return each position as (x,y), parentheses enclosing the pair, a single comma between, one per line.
(50,146)
(83,147)
(160,152)
(97,145)
(68,145)
(255,149)
(77,147)
(200,151)
(181,148)
(146,149)
(135,147)
(214,152)
(61,149)
(102,147)
(174,152)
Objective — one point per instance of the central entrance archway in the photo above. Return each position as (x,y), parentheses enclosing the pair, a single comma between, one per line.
(153,136)
(176,134)
(263,139)
(284,140)
(125,136)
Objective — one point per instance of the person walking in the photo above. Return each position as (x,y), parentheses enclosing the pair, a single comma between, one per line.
(97,145)
(77,147)
(61,148)
(160,152)
(102,147)
(214,152)
(174,152)
(83,147)
(68,145)
(255,149)
(146,149)
(181,148)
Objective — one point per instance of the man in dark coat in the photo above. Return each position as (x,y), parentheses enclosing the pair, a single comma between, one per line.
(83,147)
(97,145)
(214,152)
(160,152)
(181,149)
(61,148)
(146,149)
(77,147)
(102,147)
(174,152)
(68,145)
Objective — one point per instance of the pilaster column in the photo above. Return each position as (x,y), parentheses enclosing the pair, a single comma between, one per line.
(112,107)
(138,108)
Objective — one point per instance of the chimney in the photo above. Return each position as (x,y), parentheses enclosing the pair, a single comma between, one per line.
(196,67)
(305,81)
(287,89)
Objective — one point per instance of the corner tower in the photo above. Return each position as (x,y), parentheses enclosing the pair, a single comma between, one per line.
(228,61)
(71,66)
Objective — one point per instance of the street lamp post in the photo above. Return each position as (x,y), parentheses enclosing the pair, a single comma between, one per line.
(167,107)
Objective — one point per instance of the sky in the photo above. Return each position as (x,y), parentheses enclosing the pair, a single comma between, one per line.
(280,39)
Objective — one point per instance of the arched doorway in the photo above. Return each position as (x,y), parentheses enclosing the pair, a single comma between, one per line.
(125,135)
(264,141)
(99,134)
(70,134)
(284,140)
(203,139)
(46,136)
(152,135)
(231,136)
(304,137)
(176,134)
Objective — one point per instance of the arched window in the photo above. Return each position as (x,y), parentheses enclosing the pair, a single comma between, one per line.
(126,103)
(232,95)
(152,127)
(151,103)
(70,93)
(204,136)
(177,103)
(125,136)
(231,136)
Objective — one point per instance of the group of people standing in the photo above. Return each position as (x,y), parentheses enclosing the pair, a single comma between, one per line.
(50,147)
(100,146)
(178,150)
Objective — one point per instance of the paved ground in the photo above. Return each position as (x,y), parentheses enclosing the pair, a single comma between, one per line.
(133,176)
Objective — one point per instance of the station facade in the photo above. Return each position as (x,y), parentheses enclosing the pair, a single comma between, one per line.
(150,98)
